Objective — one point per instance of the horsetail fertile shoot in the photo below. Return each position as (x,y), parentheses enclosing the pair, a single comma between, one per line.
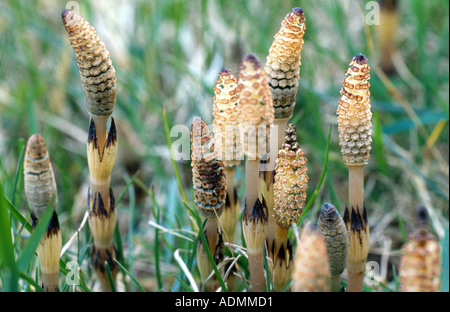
(311,270)
(282,70)
(333,229)
(209,182)
(291,184)
(98,81)
(355,137)
(420,267)
(228,146)
(255,122)
(40,190)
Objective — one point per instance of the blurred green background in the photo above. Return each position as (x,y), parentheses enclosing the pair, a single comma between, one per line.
(167,55)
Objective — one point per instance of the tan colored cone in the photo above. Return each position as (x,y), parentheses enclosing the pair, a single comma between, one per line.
(283,63)
(333,229)
(420,267)
(354,113)
(225,123)
(291,181)
(256,112)
(208,173)
(39,179)
(311,269)
(94,63)
(40,190)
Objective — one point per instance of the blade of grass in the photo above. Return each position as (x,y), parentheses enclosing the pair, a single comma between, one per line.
(8,268)
(31,281)
(157,214)
(131,276)
(174,165)
(17,214)
(395,279)
(208,253)
(186,271)
(110,277)
(378,140)
(131,210)
(19,169)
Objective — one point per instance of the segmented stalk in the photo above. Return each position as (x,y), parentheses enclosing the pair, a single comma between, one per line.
(208,175)
(254,228)
(98,81)
(101,202)
(40,190)
(283,63)
(282,71)
(355,137)
(333,229)
(420,267)
(255,117)
(311,270)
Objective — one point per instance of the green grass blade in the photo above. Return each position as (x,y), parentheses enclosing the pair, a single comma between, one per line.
(17,214)
(131,211)
(31,281)
(208,253)
(8,268)
(110,277)
(19,169)
(156,213)
(174,165)
(131,276)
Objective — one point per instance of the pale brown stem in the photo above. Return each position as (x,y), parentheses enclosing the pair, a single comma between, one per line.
(211,234)
(336,283)
(229,172)
(101,130)
(257,276)
(356,187)
(358,239)
(355,281)
(251,183)
(281,237)
(229,216)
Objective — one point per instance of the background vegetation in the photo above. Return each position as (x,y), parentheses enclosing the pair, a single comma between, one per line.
(167,55)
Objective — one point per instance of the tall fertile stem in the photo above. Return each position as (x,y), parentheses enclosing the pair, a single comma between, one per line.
(98,81)
(355,137)
(228,146)
(255,123)
(40,189)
